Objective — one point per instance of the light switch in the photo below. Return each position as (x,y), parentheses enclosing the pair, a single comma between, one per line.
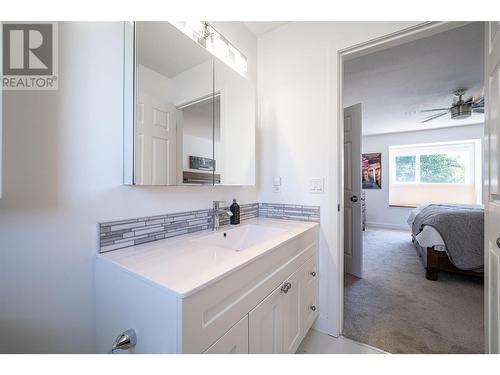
(316,185)
(277,184)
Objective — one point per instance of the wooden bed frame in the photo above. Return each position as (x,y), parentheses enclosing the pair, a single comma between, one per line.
(435,261)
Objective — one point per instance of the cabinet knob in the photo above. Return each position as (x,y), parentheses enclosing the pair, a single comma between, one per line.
(313,308)
(313,274)
(286,287)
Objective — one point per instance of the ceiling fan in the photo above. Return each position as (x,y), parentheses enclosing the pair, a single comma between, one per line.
(459,109)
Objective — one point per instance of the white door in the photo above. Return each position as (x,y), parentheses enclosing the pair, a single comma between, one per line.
(156,142)
(235,341)
(353,235)
(492,187)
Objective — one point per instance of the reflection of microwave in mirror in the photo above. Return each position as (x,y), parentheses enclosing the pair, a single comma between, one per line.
(204,164)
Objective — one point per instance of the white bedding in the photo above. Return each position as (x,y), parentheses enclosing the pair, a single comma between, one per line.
(429,236)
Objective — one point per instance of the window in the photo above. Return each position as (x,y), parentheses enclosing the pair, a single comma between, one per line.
(446,172)
(406,168)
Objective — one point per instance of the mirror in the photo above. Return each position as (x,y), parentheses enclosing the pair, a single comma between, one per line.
(189,117)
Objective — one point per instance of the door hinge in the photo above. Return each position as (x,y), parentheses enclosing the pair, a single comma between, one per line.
(338,207)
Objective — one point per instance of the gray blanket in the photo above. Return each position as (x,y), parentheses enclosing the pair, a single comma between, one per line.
(462,230)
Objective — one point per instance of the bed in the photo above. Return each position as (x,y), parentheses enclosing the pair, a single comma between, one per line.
(449,237)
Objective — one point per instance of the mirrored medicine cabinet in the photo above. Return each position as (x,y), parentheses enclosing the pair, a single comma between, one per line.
(189,108)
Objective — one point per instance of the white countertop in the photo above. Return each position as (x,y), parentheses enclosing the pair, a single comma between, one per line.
(183,266)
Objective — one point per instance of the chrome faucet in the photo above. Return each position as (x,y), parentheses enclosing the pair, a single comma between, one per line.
(216,214)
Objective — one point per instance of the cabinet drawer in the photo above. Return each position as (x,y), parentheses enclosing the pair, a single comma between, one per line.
(311,271)
(309,294)
(235,341)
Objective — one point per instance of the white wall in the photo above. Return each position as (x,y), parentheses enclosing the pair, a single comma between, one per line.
(378,211)
(154,84)
(298,124)
(63,174)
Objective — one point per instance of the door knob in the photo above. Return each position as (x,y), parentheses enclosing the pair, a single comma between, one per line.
(354,198)
(498,241)
(313,274)
(313,308)
(286,287)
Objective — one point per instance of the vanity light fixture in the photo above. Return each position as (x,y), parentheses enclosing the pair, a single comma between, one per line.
(204,34)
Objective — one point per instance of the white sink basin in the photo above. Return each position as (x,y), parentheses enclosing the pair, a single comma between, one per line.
(240,238)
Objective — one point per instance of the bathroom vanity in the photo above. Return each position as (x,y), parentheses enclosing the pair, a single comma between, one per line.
(189,119)
(252,288)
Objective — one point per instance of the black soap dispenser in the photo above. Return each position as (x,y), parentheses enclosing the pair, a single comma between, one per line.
(235,209)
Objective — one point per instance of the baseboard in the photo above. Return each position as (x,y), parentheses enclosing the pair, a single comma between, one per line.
(321,325)
(387,226)
(366,345)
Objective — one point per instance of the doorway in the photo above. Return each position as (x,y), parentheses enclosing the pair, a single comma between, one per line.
(388,235)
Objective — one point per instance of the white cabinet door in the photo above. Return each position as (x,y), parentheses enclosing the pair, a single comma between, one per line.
(275,325)
(235,341)
(265,325)
(292,313)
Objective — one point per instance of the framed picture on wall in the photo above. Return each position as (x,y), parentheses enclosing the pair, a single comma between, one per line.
(371,170)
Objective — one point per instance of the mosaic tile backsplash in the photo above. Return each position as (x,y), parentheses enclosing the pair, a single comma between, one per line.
(289,211)
(115,235)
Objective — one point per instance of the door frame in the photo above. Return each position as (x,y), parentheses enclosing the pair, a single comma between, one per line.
(410,34)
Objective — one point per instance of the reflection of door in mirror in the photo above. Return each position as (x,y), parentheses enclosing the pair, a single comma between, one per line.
(156,142)
(172,74)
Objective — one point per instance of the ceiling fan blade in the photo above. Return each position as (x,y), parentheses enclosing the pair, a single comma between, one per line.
(434,109)
(433,117)
(478,110)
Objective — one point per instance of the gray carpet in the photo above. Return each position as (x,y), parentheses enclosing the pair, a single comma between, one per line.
(395,308)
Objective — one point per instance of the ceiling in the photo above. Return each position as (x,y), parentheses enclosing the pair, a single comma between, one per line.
(394,84)
(262,27)
(156,40)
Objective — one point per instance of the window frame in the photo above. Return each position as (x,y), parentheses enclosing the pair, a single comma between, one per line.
(469,146)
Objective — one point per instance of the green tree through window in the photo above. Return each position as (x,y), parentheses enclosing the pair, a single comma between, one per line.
(441,168)
(406,168)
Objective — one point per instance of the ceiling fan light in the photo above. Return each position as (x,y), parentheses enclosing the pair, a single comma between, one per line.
(461,111)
